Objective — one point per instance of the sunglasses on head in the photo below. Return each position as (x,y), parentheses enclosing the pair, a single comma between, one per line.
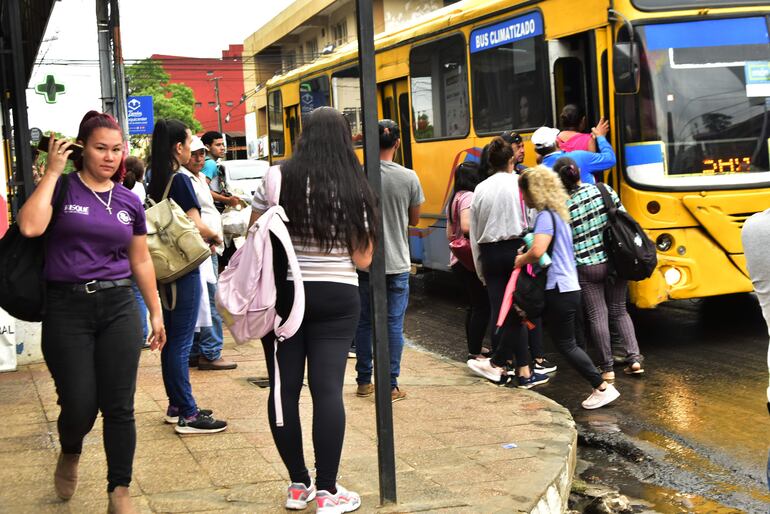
(511,137)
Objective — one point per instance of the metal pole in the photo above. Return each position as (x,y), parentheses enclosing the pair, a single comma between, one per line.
(385,447)
(22,149)
(121,111)
(105,62)
(219,106)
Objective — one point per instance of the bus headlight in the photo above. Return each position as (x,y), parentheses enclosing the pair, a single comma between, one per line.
(664,242)
(673,276)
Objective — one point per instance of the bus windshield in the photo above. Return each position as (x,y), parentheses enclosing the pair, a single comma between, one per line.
(702,115)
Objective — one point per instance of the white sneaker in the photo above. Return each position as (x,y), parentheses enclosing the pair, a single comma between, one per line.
(601,398)
(298,495)
(484,368)
(343,501)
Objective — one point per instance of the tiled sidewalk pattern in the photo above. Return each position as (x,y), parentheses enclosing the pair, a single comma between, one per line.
(449,435)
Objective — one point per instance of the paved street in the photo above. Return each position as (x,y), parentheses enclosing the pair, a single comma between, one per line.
(450,433)
(691,435)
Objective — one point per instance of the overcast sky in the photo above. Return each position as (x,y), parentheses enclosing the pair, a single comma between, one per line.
(193,28)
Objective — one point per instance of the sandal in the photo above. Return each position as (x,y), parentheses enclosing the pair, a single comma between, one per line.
(633,368)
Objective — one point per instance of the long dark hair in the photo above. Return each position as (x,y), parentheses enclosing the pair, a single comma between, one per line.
(484,170)
(467,177)
(163,163)
(134,171)
(92,121)
(323,187)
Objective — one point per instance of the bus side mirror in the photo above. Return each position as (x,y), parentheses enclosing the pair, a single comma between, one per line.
(625,68)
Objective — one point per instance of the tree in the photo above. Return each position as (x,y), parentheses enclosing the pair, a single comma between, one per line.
(148,78)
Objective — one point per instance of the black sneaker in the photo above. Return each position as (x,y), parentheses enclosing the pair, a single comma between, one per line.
(544,366)
(200,424)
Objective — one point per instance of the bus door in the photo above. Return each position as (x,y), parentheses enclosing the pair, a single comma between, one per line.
(292,125)
(574,76)
(394,99)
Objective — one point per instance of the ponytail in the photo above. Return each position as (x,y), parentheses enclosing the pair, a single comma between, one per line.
(166,134)
(568,172)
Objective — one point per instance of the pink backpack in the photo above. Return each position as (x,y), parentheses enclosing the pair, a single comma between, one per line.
(246,292)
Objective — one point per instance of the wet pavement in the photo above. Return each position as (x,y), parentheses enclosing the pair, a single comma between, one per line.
(690,435)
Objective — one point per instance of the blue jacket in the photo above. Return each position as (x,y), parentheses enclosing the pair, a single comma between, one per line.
(588,162)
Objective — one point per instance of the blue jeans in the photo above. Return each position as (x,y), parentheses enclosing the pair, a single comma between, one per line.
(180,328)
(398,299)
(208,342)
(142,310)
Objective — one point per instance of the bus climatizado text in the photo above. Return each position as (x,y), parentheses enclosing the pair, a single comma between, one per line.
(684,83)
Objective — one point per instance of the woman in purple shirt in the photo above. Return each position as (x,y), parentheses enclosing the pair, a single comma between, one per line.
(91,327)
(544,191)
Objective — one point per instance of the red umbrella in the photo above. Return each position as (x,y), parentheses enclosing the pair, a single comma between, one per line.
(508,302)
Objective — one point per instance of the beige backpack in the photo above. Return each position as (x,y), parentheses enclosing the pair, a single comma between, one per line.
(176,246)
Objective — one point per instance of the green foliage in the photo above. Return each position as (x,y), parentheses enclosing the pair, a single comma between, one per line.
(148,78)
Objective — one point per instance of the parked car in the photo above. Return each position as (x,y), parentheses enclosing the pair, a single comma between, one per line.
(244,175)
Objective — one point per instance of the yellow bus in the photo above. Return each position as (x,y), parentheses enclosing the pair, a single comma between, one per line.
(684,84)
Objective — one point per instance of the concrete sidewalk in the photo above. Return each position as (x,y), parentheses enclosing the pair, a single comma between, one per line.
(449,435)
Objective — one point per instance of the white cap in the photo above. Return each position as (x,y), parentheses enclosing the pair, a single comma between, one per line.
(197,144)
(544,137)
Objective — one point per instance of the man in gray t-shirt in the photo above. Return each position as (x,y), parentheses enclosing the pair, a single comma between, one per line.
(401,199)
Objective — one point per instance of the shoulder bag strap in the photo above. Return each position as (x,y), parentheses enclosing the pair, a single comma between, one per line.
(57,205)
(168,186)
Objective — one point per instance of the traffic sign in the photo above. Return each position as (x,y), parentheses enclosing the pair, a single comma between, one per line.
(140,115)
(34,135)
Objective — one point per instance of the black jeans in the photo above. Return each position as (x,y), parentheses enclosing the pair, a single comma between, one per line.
(323,340)
(477,314)
(497,260)
(560,312)
(91,344)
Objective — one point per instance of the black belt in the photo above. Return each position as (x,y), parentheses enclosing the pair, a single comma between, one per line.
(92,286)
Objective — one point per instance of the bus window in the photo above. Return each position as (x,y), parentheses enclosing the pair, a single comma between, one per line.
(509,75)
(346,94)
(313,93)
(439,89)
(275,117)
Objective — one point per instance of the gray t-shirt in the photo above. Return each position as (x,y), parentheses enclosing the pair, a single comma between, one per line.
(401,190)
(756,239)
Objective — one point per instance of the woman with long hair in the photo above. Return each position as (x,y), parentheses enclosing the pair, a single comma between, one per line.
(604,297)
(91,330)
(498,223)
(171,150)
(458,226)
(332,214)
(544,191)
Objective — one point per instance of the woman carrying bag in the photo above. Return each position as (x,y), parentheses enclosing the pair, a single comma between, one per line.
(457,228)
(171,150)
(91,326)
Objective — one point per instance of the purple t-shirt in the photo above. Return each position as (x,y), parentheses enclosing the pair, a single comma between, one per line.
(87,243)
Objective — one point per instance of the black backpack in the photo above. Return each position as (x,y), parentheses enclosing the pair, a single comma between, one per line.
(22,286)
(632,255)
(529,297)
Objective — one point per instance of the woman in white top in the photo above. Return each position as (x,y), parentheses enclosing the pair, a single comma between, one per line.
(497,225)
(330,206)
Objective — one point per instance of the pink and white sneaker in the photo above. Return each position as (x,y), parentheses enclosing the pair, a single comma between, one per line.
(343,501)
(298,495)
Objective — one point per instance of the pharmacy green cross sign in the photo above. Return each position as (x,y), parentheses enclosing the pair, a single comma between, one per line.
(49,89)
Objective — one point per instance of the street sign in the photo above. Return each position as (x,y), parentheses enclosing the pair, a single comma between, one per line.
(34,135)
(140,115)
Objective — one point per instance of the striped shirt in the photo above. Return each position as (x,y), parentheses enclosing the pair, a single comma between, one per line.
(315,264)
(588,217)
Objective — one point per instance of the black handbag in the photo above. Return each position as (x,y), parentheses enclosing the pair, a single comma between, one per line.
(529,295)
(22,285)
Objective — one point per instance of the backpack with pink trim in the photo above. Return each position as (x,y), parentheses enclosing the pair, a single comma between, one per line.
(246,292)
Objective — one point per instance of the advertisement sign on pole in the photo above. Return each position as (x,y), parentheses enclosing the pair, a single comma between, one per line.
(140,115)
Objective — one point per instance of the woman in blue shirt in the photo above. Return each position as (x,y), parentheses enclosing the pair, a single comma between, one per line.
(544,191)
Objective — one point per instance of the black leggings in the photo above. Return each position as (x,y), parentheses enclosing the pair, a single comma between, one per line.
(477,313)
(91,344)
(323,340)
(497,260)
(560,312)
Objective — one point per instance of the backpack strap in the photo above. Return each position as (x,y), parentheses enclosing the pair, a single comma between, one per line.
(553,239)
(168,186)
(606,198)
(273,185)
(57,205)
